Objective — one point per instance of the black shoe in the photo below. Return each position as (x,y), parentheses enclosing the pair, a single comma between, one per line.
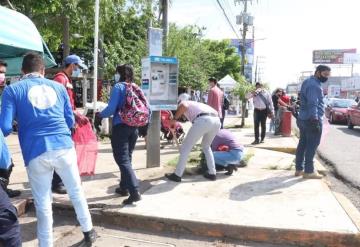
(59,189)
(211,177)
(121,191)
(173,177)
(262,141)
(12,193)
(89,239)
(230,169)
(132,198)
(255,142)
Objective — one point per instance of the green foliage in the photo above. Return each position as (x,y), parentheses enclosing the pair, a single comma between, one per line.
(123,37)
(242,88)
(199,58)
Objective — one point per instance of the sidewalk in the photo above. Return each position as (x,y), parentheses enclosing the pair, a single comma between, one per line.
(262,202)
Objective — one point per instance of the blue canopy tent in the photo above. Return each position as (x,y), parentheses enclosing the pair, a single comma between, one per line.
(18,36)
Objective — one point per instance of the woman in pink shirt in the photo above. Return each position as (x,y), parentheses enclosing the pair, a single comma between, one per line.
(205,124)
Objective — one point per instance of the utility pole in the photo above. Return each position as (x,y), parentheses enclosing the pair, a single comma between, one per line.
(165,23)
(244,30)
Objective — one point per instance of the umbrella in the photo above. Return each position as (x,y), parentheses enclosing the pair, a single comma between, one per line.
(18,36)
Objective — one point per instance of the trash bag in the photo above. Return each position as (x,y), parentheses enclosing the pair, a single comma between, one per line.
(86,149)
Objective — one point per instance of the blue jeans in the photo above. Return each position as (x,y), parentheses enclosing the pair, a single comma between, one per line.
(309,141)
(123,142)
(233,157)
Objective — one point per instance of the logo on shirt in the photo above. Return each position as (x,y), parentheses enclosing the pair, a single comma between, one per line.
(42,96)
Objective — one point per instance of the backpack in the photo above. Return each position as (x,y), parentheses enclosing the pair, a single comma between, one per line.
(135,112)
(226,103)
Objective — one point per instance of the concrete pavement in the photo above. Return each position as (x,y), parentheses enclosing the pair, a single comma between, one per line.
(262,202)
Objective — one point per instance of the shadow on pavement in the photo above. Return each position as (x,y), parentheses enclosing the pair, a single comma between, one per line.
(265,187)
(353,132)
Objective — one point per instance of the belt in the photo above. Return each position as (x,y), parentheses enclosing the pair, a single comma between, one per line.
(206,114)
(260,109)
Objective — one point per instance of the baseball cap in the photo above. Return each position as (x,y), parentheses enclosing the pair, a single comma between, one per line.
(183,97)
(76,60)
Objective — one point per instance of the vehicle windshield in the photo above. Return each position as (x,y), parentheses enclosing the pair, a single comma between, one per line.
(343,103)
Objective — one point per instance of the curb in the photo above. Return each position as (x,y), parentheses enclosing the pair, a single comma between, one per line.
(234,232)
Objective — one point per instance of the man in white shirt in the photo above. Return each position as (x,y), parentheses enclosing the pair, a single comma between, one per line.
(263,108)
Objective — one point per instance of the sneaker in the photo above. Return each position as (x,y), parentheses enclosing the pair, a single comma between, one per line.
(173,177)
(59,189)
(230,170)
(89,239)
(13,193)
(313,175)
(299,173)
(255,142)
(132,198)
(211,177)
(121,191)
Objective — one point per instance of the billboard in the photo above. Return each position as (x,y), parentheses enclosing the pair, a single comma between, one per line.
(155,41)
(249,54)
(330,56)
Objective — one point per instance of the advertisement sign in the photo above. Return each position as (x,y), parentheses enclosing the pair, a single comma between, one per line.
(249,54)
(330,56)
(155,41)
(350,84)
(334,91)
(351,58)
(160,82)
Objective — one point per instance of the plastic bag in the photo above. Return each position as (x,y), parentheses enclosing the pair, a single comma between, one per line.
(86,149)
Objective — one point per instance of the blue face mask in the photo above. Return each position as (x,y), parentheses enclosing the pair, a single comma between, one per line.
(117,78)
(76,73)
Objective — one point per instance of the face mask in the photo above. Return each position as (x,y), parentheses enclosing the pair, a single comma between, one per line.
(323,78)
(2,79)
(76,72)
(117,77)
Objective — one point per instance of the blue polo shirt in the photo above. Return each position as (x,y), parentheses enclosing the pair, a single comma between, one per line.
(311,100)
(5,160)
(116,102)
(44,115)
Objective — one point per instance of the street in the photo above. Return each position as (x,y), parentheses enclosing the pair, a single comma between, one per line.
(340,147)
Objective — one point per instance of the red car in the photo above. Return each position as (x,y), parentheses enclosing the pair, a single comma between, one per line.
(353,118)
(336,110)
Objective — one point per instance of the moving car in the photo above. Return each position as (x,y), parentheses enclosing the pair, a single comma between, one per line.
(353,118)
(336,110)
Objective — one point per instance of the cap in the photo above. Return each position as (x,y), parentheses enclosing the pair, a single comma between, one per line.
(76,60)
(183,97)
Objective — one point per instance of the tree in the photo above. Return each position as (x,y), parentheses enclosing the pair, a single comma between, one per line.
(241,90)
(201,58)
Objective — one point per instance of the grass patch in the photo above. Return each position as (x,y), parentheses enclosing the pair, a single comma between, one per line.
(193,159)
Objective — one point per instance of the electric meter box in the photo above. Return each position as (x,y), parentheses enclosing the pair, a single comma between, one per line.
(159,82)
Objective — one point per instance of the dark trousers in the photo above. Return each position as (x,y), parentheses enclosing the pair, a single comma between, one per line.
(123,142)
(9,225)
(223,118)
(56,181)
(309,141)
(260,117)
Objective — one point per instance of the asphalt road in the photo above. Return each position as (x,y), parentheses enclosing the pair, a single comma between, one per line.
(341,148)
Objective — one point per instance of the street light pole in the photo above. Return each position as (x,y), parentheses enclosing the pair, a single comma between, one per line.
(96,48)
(243,47)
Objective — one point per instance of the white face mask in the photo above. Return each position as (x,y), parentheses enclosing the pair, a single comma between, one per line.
(76,72)
(117,77)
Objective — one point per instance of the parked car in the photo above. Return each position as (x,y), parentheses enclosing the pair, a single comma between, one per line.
(336,110)
(353,118)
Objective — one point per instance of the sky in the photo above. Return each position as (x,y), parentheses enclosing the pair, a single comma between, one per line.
(288,31)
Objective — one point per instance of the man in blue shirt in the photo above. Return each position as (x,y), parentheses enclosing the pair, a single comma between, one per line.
(44,115)
(310,122)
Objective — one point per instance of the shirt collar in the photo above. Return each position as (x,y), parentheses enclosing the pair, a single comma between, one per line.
(32,75)
(315,78)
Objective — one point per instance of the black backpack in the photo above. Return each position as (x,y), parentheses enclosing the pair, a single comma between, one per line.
(226,103)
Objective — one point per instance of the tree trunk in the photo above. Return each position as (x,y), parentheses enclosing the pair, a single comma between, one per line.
(243,113)
(66,35)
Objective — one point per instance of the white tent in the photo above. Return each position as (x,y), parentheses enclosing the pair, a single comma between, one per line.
(227,83)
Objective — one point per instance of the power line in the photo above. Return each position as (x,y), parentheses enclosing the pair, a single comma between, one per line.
(227,18)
